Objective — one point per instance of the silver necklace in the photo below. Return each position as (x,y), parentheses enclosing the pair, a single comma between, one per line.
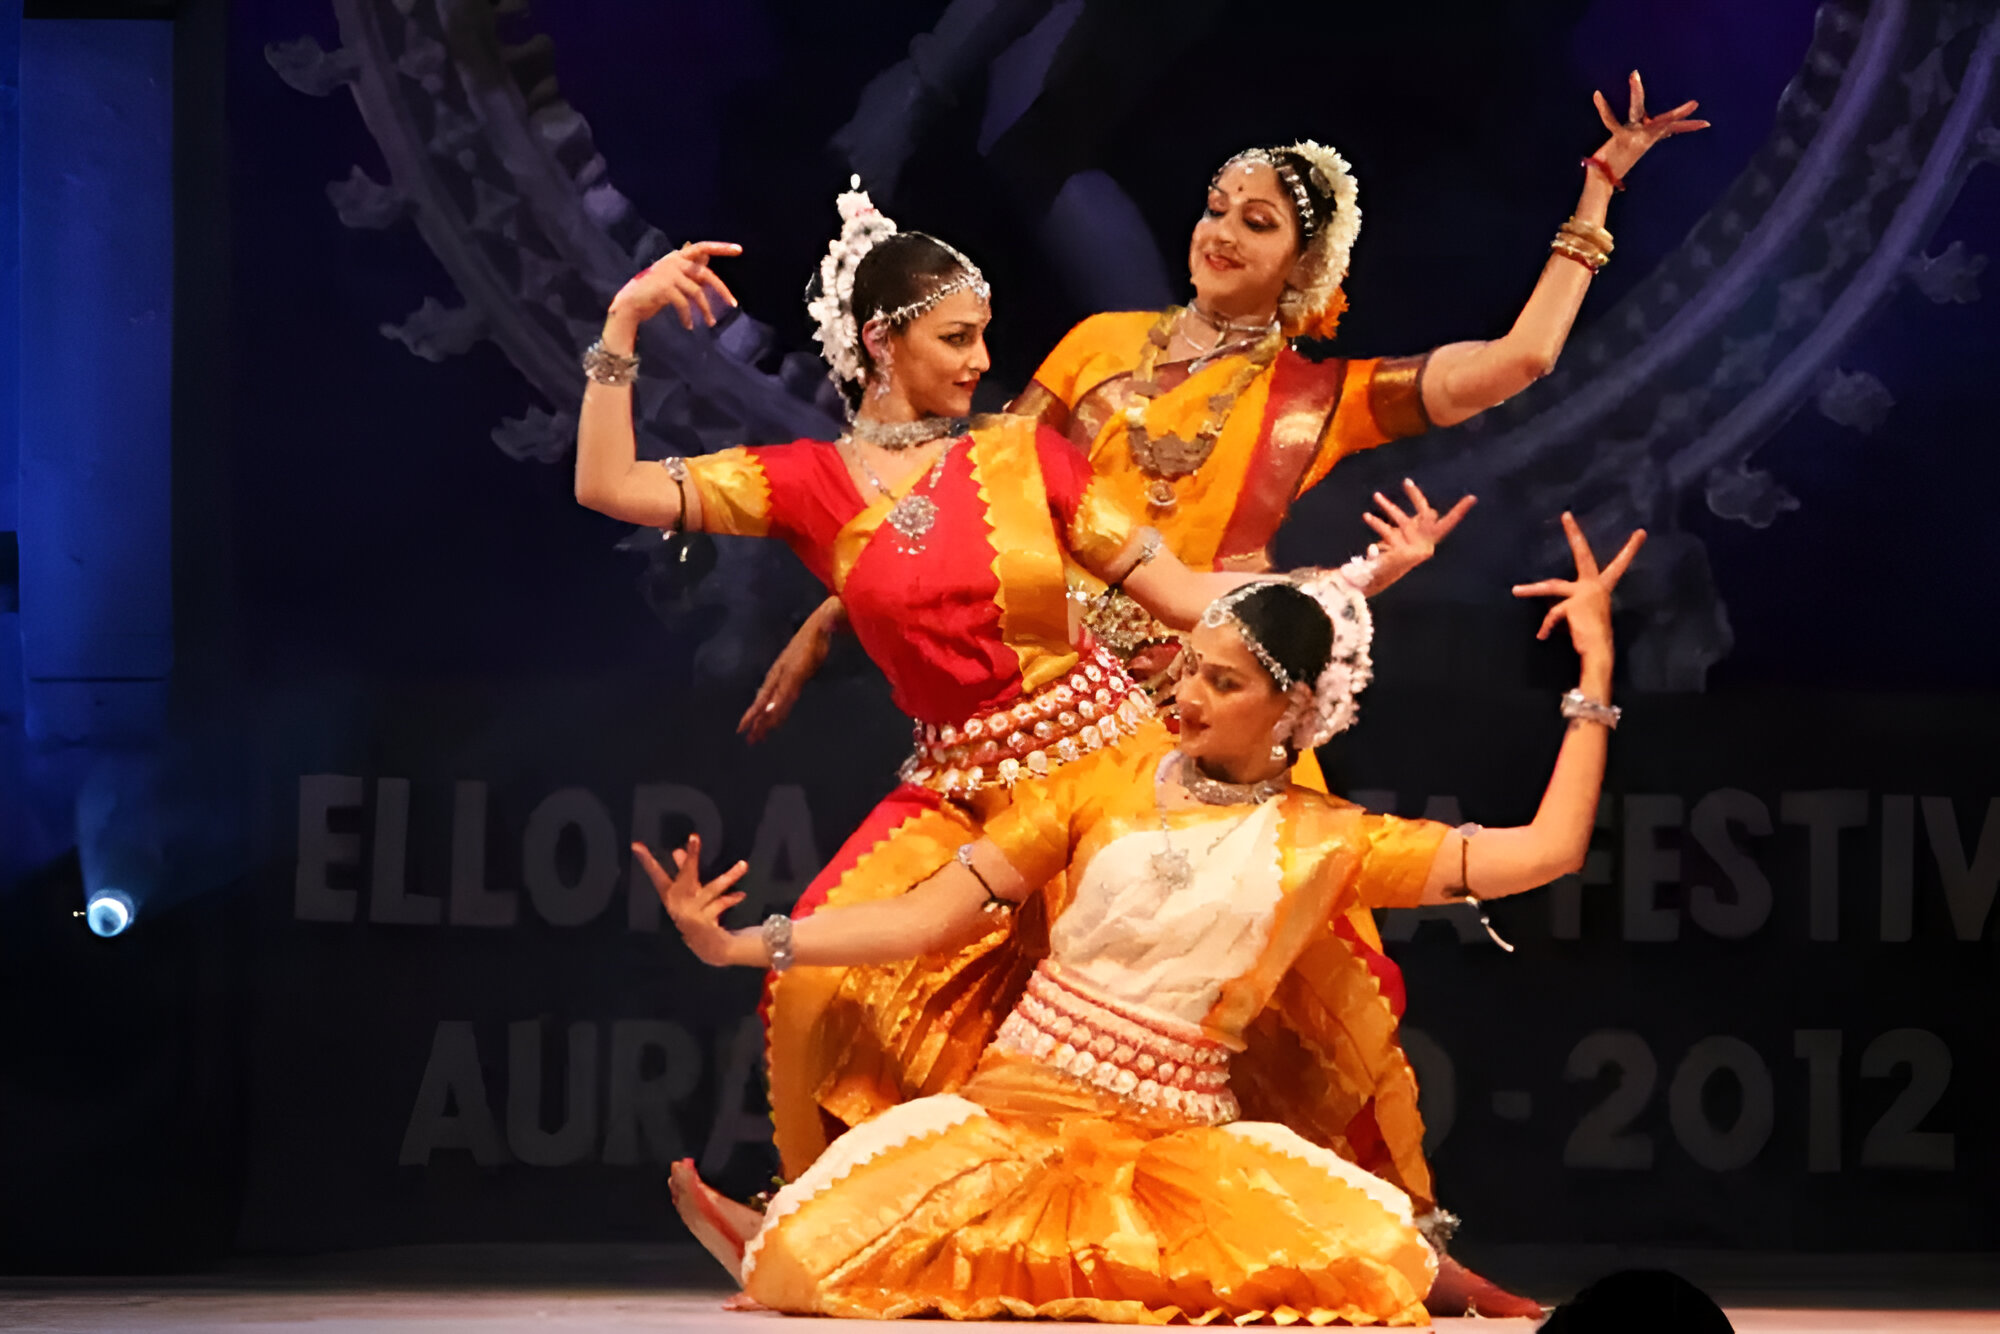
(914,514)
(1223,328)
(1245,335)
(1215,792)
(898,436)
(1172,866)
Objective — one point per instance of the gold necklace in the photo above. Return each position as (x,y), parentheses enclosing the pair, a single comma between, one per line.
(1168,458)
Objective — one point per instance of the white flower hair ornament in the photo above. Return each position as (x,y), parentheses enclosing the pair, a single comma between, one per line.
(862,228)
(1348,669)
(1312,303)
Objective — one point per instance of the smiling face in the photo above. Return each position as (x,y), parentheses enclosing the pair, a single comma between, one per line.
(937,359)
(1228,706)
(1246,244)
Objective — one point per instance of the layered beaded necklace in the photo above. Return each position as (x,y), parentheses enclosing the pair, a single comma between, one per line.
(898,436)
(1168,458)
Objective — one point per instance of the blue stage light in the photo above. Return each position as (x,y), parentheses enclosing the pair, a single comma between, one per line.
(108,912)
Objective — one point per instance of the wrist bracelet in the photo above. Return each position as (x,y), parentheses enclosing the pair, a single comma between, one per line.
(1587,253)
(777,935)
(1577,705)
(1150,543)
(1466,832)
(1591,264)
(1601,165)
(677,469)
(994,903)
(1437,1228)
(1590,234)
(603,366)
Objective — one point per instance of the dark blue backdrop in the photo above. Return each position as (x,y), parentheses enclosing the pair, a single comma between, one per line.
(394,983)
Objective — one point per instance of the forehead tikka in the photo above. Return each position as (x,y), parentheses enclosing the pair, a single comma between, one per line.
(1289,178)
(1222,612)
(967,278)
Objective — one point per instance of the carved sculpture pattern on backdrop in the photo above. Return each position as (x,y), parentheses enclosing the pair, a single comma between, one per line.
(1668,394)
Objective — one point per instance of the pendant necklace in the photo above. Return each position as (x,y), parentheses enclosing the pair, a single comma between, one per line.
(1172,866)
(912,516)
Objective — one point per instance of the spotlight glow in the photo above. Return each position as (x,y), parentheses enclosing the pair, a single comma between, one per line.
(108,912)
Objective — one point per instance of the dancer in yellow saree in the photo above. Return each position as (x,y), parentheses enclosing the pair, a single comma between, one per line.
(1098,1163)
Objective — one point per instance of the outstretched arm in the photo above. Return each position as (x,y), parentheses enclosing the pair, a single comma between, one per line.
(1158,581)
(1177,596)
(1465,379)
(950,910)
(1497,862)
(609,476)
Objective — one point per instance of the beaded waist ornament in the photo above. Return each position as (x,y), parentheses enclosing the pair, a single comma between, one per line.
(1147,1058)
(1063,721)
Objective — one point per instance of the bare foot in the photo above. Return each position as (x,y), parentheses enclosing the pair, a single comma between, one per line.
(743,1301)
(720,1224)
(1459,1291)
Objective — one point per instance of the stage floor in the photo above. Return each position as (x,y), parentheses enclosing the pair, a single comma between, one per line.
(70,1311)
(671,1290)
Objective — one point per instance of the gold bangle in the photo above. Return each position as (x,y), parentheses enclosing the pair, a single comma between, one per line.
(1590,233)
(1590,259)
(1582,243)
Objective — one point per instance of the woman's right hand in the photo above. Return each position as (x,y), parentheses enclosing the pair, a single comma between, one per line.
(1586,600)
(1633,137)
(681,279)
(697,908)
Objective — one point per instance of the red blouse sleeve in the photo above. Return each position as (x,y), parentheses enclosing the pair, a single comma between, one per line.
(799,493)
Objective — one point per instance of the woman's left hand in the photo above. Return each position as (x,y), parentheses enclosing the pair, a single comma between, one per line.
(1585,605)
(697,908)
(1638,132)
(1409,539)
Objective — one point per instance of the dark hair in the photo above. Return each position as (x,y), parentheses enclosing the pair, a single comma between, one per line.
(1291,626)
(1639,1301)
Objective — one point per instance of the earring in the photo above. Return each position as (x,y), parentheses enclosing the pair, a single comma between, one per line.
(880,388)
(1280,753)
(1279,736)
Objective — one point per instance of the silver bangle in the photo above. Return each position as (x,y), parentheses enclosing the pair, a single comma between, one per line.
(1578,705)
(603,366)
(777,935)
(1150,543)
(1437,1228)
